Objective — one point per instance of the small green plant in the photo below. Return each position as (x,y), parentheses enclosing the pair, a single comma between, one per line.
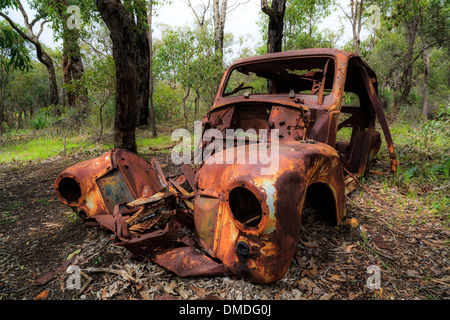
(39,122)
(43,201)
(7,217)
(411,172)
(429,133)
(71,217)
(15,206)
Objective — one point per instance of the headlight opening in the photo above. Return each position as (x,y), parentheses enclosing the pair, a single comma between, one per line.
(245,207)
(69,189)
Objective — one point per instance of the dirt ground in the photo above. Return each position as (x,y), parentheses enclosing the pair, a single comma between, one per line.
(38,234)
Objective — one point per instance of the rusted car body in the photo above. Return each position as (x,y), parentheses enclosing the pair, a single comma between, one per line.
(244,220)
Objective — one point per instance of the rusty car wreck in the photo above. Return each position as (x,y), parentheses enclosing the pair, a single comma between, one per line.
(221,217)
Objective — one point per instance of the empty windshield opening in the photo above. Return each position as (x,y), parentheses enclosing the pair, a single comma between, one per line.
(307,76)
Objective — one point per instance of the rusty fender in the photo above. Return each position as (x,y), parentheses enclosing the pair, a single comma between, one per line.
(128,195)
(131,197)
(251,222)
(93,187)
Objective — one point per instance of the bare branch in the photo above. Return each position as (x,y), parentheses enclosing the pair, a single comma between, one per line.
(269,11)
(91,46)
(361,7)
(25,17)
(200,20)
(236,5)
(41,28)
(345,13)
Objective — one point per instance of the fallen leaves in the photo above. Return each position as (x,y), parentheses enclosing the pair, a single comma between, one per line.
(352,222)
(43,295)
(335,277)
(199,292)
(330,262)
(310,244)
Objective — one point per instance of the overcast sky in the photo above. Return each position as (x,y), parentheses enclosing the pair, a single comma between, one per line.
(240,22)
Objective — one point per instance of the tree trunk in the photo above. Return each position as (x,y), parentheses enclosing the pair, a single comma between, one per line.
(196,103)
(151,80)
(406,79)
(185,107)
(219,16)
(73,70)
(395,87)
(142,63)
(4,77)
(122,32)
(426,61)
(52,83)
(275,32)
(357,7)
(72,65)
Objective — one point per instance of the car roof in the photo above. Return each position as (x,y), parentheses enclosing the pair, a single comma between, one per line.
(295,53)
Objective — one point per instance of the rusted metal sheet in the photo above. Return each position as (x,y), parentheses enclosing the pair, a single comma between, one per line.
(189,262)
(244,214)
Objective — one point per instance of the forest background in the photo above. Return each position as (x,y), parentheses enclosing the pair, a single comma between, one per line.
(71,92)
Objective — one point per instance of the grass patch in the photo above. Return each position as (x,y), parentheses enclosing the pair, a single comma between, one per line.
(25,146)
(161,143)
(37,148)
(7,217)
(44,201)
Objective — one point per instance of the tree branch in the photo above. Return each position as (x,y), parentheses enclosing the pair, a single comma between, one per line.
(236,5)
(33,22)
(17,29)
(92,47)
(200,21)
(345,13)
(269,11)
(428,47)
(25,17)
(360,15)
(41,28)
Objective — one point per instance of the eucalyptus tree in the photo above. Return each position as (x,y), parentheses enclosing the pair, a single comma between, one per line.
(128,28)
(33,37)
(425,19)
(295,26)
(14,54)
(275,12)
(70,19)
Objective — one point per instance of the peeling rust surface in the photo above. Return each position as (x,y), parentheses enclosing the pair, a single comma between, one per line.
(227,216)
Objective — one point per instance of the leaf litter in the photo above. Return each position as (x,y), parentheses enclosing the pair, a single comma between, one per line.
(331,262)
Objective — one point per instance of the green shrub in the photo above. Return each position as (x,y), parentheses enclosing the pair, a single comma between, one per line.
(39,122)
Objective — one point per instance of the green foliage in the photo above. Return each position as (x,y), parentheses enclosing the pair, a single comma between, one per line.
(167,101)
(300,25)
(13,51)
(40,122)
(4,4)
(57,12)
(186,57)
(438,84)
(424,152)
(33,87)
